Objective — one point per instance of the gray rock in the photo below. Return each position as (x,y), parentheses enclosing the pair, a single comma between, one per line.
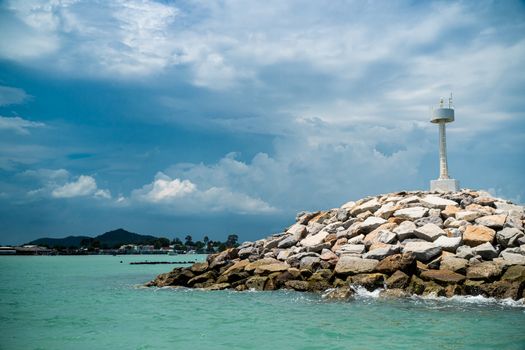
(246,252)
(386,210)
(513,258)
(314,228)
(412,213)
(342,214)
(294,260)
(405,230)
(287,242)
(450,244)
(486,251)
(381,253)
(423,251)
(283,254)
(508,237)
(429,232)
(309,262)
(465,252)
(436,220)
(318,248)
(352,265)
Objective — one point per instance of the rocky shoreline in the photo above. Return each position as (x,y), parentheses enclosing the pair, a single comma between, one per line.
(405,243)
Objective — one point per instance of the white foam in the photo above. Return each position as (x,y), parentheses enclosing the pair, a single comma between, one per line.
(362,292)
(473,299)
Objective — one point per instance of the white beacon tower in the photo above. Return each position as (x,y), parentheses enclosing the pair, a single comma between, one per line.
(441,116)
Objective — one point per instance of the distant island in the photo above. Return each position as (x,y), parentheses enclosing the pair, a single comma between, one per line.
(120,241)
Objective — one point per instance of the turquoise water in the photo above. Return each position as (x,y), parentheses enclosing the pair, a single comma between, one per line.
(94,302)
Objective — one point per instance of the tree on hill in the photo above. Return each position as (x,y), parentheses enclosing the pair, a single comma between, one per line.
(231,241)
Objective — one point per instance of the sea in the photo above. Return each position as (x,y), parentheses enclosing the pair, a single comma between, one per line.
(99,302)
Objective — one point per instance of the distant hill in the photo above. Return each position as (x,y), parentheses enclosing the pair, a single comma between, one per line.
(69,241)
(111,239)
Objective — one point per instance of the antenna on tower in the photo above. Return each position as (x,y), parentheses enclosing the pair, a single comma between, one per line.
(450,104)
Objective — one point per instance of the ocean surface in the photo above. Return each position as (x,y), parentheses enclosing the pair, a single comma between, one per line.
(96,302)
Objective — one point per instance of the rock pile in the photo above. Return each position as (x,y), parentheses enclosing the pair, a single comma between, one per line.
(462,243)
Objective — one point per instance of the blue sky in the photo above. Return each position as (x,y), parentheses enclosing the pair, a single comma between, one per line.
(204,117)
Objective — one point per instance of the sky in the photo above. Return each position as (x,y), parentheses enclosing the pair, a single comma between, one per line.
(217,117)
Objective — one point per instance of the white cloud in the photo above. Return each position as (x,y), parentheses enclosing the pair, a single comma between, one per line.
(184,197)
(164,188)
(10,95)
(83,186)
(58,183)
(18,125)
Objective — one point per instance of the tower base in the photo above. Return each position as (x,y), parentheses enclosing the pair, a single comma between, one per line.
(445,185)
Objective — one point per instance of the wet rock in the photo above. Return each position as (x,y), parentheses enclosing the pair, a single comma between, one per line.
(487,270)
(514,274)
(416,285)
(454,264)
(424,251)
(394,293)
(432,288)
(399,279)
(340,293)
(404,262)
(348,265)
(256,282)
(443,276)
(370,281)
(199,267)
(271,268)
(502,290)
(218,286)
(297,285)
(477,234)
(205,277)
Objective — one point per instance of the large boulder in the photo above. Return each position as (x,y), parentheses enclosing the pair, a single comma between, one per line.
(429,232)
(424,251)
(486,251)
(399,279)
(509,236)
(515,274)
(513,258)
(271,268)
(487,270)
(351,249)
(370,281)
(477,234)
(443,276)
(404,262)
(493,221)
(349,265)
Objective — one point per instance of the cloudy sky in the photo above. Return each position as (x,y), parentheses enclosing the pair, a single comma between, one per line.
(203,117)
